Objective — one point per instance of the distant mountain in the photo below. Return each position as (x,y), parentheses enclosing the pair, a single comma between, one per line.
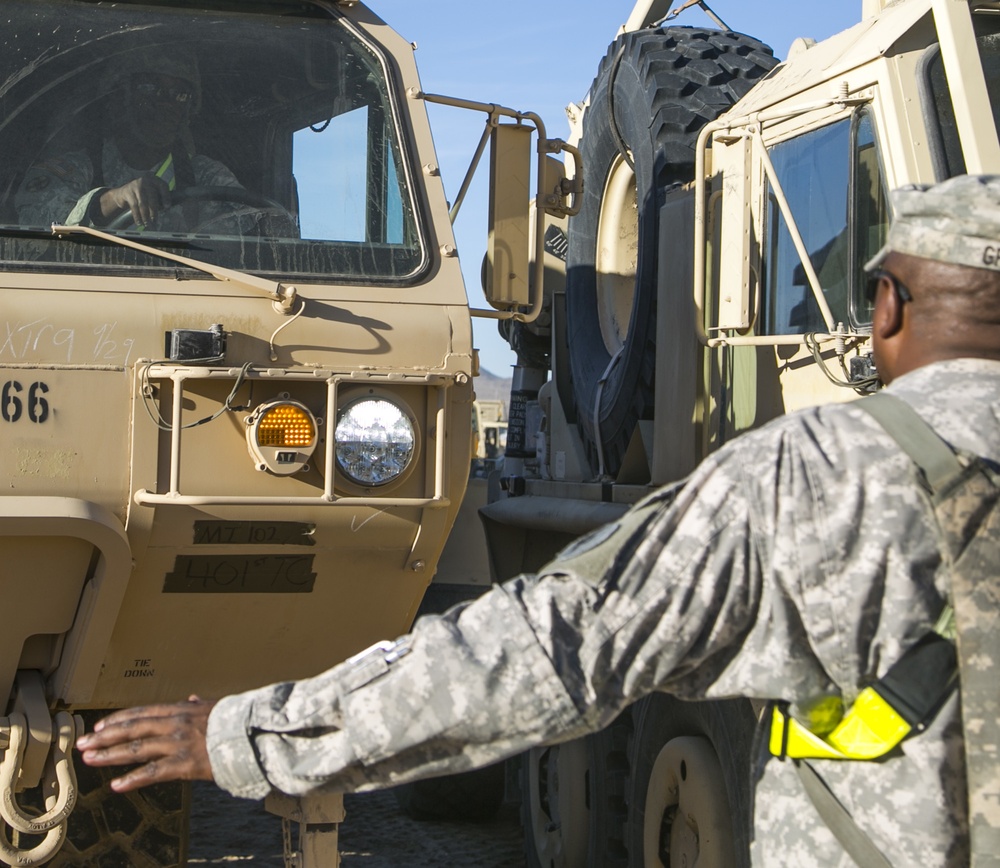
(490,387)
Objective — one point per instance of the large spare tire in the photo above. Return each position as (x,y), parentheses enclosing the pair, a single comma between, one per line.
(654,92)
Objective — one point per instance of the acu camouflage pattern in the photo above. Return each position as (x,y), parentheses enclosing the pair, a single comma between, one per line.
(966,496)
(58,189)
(800,561)
(970,520)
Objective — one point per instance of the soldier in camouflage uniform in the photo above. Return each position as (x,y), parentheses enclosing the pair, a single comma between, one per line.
(799,562)
(142,153)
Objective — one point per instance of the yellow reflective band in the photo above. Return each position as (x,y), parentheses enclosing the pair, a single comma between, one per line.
(800,744)
(869,730)
(166,172)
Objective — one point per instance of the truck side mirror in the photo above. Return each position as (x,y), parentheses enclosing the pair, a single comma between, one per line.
(731,158)
(505,279)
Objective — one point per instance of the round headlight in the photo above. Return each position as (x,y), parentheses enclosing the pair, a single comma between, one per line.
(375,440)
(282,437)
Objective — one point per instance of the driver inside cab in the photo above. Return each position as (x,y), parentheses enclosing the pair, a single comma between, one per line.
(138,158)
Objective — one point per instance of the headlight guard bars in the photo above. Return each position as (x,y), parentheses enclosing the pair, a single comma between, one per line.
(178,375)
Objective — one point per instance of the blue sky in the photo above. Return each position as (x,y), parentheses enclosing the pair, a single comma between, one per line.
(539,56)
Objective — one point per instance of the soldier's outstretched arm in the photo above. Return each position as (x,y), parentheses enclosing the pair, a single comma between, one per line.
(645,603)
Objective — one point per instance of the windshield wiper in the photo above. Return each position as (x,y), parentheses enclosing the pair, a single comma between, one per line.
(10,230)
(283,296)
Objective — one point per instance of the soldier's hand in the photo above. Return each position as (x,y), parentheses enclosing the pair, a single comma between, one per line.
(146,197)
(167,740)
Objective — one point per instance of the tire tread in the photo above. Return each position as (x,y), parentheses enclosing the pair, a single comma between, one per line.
(684,77)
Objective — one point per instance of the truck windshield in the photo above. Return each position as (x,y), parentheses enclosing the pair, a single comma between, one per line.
(262,139)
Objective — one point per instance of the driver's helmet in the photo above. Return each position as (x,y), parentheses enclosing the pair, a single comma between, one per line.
(176,60)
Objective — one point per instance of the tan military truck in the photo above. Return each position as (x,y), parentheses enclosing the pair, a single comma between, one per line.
(716,265)
(235,380)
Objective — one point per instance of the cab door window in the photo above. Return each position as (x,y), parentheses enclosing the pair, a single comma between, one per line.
(833,184)
(870,212)
(935,94)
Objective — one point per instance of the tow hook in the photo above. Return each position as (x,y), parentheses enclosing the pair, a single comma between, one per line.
(28,739)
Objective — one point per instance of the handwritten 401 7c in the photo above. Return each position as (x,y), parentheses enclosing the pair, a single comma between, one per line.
(247,574)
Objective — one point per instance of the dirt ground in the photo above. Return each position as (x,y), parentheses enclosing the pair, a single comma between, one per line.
(226,831)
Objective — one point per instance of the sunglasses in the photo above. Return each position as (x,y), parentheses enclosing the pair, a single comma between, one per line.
(151,90)
(875,278)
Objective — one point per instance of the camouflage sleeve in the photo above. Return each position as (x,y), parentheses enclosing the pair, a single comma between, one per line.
(651,601)
(348,726)
(212,173)
(55,190)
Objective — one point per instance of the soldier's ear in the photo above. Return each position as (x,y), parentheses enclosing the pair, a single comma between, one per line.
(887,317)
(887,330)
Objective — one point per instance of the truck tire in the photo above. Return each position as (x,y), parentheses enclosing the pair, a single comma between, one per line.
(146,828)
(573,801)
(688,791)
(653,93)
(473,796)
(143,829)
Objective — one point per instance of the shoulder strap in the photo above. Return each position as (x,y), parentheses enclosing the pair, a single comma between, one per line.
(974,511)
(855,842)
(95,151)
(183,164)
(915,437)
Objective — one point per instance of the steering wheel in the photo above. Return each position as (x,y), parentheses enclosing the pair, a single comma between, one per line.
(234,195)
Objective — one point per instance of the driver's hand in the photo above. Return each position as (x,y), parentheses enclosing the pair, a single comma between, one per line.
(146,197)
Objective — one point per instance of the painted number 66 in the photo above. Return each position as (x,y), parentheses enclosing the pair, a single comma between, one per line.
(13,405)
